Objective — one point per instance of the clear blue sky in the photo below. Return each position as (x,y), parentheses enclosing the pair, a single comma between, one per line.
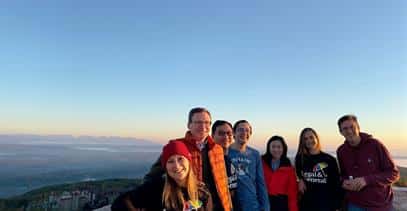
(133,68)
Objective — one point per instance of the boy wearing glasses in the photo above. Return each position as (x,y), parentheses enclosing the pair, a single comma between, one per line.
(251,191)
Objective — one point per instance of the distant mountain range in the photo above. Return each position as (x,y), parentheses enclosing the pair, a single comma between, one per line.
(70,139)
(33,161)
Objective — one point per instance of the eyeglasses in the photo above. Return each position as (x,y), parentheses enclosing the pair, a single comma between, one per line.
(202,122)
(223,133)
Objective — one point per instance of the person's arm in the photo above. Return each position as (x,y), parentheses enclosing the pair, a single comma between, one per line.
(156,172)
(138,197)
(130,206)
(292,191)
(130,200)
(298,169)
(148,195)
(205,197)
(343,174)
(209,204)
(347,184)
(262,195)
(389,172)
(119,204)
(335,183)
(298,166)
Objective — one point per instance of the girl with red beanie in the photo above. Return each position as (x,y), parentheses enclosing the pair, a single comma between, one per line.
(178,191)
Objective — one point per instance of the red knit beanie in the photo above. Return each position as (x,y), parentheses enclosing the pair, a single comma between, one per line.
(174,148)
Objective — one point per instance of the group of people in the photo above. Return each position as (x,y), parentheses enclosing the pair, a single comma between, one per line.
(221,172)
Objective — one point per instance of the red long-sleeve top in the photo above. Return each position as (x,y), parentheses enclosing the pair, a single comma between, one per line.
(282,182)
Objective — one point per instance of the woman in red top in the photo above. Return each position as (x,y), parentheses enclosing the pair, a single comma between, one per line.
(279,176)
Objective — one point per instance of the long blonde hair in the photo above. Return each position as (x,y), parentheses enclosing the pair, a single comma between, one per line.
(173,197)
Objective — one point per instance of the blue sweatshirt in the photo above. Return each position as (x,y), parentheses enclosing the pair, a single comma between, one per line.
(251,190)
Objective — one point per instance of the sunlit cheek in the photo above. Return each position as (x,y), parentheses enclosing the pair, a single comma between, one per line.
(229,141)
(186,168)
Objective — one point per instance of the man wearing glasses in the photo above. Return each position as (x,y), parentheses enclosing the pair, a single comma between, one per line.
(251,191)
(207,159)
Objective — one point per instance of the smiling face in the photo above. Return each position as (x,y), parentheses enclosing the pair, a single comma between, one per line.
(350,130)
(242,133)
(200,125)
(223,136)
(276,149)
(310,140)
(177,167)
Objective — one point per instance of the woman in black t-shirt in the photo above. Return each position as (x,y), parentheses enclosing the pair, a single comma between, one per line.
(318,174)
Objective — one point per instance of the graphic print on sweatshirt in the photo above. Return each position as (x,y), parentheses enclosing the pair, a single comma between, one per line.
(232,179)
(241,165)
(318,174)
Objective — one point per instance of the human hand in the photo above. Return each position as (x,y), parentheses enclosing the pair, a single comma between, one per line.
(356,184)
(301,186)
(360,183)
(348,184)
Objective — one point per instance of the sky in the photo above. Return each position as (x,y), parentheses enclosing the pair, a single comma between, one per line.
(135,69)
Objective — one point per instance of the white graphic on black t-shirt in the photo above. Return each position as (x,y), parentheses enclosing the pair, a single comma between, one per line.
(318,174)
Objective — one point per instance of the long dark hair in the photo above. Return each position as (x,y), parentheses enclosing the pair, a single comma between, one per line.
(303,152)
(267,157)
